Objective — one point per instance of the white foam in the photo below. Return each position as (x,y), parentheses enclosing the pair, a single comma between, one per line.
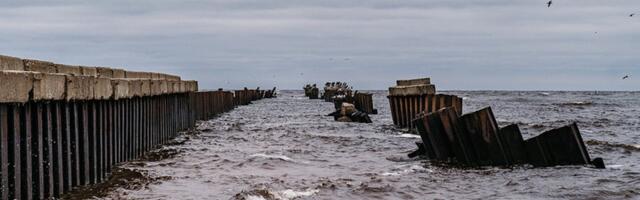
(254,197)
(544,93)
(636,146)
(406,135)
(405,169)
(614,166)
(281,157)
(292,194)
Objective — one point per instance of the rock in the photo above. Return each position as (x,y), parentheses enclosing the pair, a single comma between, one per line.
(347,109)
(344,119)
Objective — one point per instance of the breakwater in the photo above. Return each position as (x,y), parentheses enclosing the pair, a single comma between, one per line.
(64,126)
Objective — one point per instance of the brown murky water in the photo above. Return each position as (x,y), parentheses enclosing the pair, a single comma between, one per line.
(286,148)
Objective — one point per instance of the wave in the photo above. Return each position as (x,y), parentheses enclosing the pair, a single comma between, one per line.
(628,147)
(263,194)
(274,157)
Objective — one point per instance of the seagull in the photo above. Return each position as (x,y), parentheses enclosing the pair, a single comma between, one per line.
(549,3)
(625,77)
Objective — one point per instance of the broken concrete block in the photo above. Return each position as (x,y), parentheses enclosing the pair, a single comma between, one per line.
(79,87)
(39,66)
(48,86)
(104,72)
(118,73)
(102,88)
(15,86)
(120,89)
(89,71)
(68,69)
(412,90)
(11,63)
(420,81)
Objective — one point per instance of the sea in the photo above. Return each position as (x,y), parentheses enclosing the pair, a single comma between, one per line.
(287,148)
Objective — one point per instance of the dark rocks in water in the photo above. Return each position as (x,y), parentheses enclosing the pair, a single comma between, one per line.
(348,113)
(474,139)
(311,91)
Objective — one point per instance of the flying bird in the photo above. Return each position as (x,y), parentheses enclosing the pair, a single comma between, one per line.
(625,77)
(549,3)
(632,14)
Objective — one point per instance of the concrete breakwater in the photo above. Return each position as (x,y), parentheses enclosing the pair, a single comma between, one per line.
(65,126)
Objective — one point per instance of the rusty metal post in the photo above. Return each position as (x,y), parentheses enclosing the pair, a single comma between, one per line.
(4,152)
(25,140)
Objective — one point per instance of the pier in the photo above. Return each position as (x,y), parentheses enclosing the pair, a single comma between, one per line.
(64,126)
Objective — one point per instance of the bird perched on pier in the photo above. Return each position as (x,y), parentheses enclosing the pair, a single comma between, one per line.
(625,77)
(549,3)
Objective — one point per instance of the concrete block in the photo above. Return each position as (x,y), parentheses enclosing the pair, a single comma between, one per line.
(89,71)
(102,88)
(155,75)
(140,75)
(11,63)
(68,69)
(183,87)
(120,89)
(146,87)
(155,87)
(118,73)
(15,86)
(135,88)
(39,66)
(48,86)
(412,90)
(80,87)
(192,86)
(175,86)
(104,72)
(172,77)
(164,87)
(419,81)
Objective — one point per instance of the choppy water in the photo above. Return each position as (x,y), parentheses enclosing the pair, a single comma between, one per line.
(286,148)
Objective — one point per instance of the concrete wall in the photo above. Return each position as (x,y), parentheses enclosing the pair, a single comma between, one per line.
(23,80)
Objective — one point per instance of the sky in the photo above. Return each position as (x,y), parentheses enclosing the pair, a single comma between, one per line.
(462,45)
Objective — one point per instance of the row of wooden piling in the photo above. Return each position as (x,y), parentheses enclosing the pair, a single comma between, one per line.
(48,148)
(405,108)
(475,139)
(364,102)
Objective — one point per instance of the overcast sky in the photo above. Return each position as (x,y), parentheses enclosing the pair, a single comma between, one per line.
(479,44)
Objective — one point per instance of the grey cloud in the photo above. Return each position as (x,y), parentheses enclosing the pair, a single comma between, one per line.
(494,44)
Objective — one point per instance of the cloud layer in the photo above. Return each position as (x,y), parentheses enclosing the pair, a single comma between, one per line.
(489,44)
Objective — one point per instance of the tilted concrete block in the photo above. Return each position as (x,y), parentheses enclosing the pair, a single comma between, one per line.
(48,86)
(11,63)
(120,89)
(102,88)
(39,66)
(68,69)
(89,71)
(80,87)
(412,90)
(135,88)
(419,81)
(104,72)
(15,86)
(118,73)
